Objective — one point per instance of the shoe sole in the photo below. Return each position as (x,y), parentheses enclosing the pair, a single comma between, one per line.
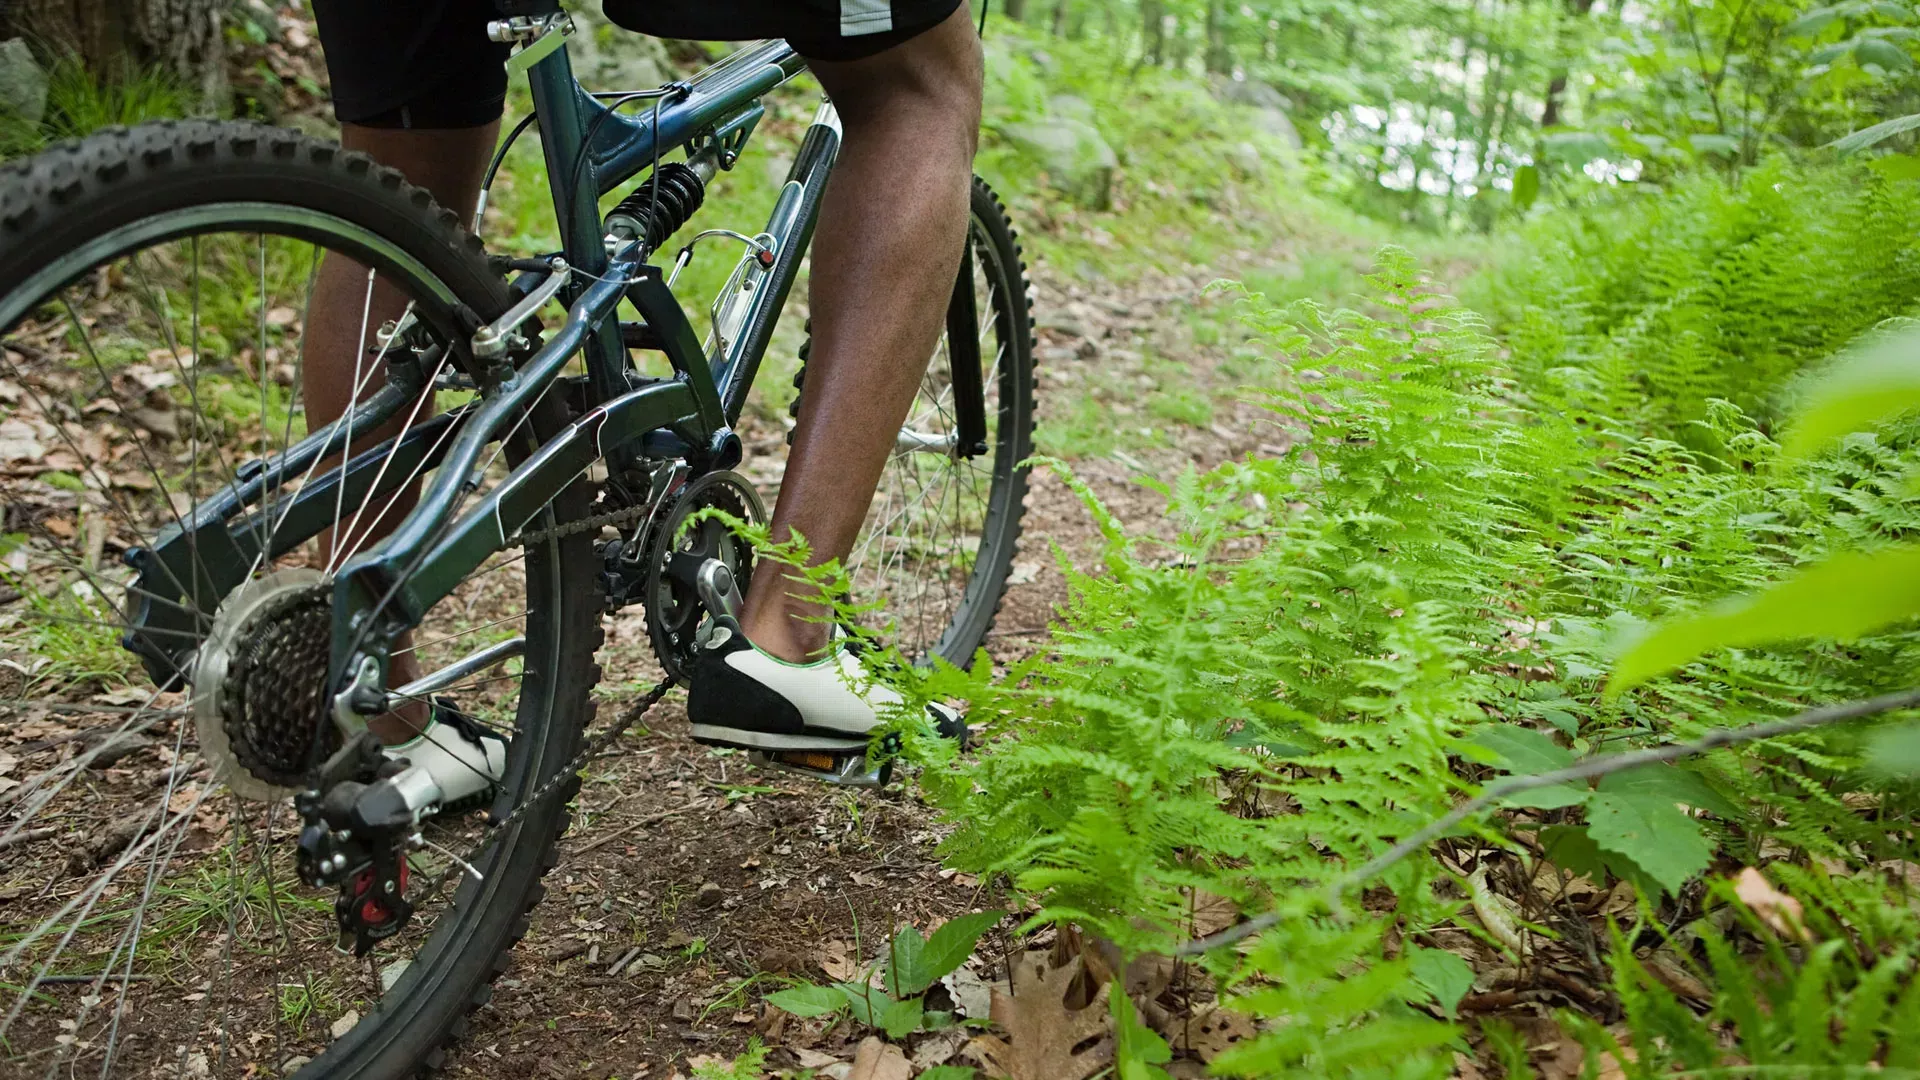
(715,735)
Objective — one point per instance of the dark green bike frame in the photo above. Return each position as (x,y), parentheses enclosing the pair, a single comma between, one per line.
(628,419)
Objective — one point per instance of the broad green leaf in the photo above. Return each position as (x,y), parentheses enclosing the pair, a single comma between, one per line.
(904,962)
(913,963)
(1896,166)
(1574,148)
(1138,1050)
(1442,974)
(809,1000)
(1523,750)
(1651,831)
(1672,783)
(1883,54)
(1868,387)
(1570,848)
(874,1008)
(1707,143)
(1526,187)
(1526,752)
(900,1019)
(1895,751)
(1810,24)
(948,1072)
(1841,599)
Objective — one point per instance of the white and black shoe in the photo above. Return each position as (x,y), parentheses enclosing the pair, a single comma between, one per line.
(463,760)
(743,697)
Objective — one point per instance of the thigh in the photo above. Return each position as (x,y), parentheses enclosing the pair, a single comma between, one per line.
(818,29)
(412,63)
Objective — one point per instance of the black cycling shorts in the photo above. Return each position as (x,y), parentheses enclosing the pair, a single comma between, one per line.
(428,63)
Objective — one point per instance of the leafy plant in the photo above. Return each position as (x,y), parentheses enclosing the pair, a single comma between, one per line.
(912,965)
(748,1066)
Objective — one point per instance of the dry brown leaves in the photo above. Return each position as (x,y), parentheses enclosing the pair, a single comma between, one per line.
(1778,910)
(1048,1038)
(876,1060)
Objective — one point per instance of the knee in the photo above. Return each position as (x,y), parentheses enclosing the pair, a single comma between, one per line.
(931,86)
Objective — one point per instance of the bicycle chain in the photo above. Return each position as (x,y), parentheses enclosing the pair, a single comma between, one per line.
(587,753)
(591,523)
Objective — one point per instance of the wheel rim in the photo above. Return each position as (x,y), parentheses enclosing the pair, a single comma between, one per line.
(934,534)
(147,370)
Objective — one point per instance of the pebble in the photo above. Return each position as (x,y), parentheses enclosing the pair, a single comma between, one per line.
(710,894)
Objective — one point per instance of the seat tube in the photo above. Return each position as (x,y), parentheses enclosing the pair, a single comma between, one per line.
(557,101)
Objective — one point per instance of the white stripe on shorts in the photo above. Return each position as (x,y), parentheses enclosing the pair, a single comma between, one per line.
(865,17)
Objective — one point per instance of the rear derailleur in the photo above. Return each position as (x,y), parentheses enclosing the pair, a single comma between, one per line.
(356,827)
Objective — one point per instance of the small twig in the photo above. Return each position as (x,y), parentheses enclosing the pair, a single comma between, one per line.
(626,958)
(26,836)
(1585,769)
(623,830)
(92,707)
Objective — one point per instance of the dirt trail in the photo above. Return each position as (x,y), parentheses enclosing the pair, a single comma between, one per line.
(724,878)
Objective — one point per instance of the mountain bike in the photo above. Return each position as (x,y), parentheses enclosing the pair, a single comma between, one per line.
(203,872)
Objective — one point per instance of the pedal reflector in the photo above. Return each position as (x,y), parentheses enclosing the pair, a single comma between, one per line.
(818,760)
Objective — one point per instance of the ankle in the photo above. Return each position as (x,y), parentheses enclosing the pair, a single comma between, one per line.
(787,638)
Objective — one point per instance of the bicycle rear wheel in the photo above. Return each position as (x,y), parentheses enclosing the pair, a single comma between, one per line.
(940,537)
(154,292)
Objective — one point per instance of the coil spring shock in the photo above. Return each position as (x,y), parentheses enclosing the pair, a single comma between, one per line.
(657,208)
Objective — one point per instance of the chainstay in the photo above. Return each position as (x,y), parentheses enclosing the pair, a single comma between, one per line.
(587,753)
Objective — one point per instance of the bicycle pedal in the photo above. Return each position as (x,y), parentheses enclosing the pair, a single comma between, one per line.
(838,769)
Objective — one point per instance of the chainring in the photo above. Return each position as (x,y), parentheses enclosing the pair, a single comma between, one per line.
(675,613)
(260,684)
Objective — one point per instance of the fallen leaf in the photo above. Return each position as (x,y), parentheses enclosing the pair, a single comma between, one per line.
(836,960)
(1214,1032)
(972,995)
(281,316)
(1043,1033)
(938,1049)
(813,1059)
(1775,908)
(876,1060)
(20,442)
(1212,913)
(1665,966)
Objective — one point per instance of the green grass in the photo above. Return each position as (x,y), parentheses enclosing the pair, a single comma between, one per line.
(1181,406)
(308,1000)
(79,103)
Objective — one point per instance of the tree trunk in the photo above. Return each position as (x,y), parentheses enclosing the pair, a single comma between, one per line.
(115,38)
(1557,85)
(1218,60)
(1059,18)
(1014,9)
(1153,32)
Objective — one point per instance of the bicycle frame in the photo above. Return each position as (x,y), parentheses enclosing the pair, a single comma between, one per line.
(627,419)
(388,589)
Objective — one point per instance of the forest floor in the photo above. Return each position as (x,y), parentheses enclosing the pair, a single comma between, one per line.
(715,882)
(692,884)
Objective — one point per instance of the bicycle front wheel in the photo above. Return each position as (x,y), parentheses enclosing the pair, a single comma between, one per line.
(156,294)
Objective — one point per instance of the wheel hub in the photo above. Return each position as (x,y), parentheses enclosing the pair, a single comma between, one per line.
(260,684)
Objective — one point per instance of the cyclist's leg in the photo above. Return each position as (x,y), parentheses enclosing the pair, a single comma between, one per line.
(419,88)
(892,223)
